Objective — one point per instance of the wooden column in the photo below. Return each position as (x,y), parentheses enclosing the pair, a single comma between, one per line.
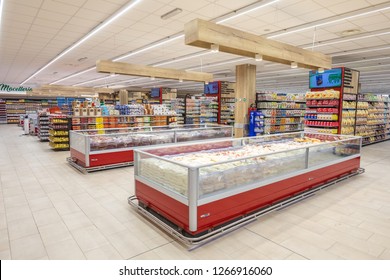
(123,97)
(245,91)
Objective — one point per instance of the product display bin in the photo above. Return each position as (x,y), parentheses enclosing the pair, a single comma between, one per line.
(201,186)
(98,149)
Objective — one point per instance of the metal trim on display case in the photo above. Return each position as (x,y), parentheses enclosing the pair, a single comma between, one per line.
(86,170)
(256,185)
(195,242)
(193,196)
(163,190)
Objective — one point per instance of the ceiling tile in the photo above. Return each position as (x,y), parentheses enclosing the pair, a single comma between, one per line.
(347,7)
(12,17)
(46,22)
(191,6)
(60,8)
(21,9)
(43,14)
(302,7)
(316,15)
(212,11)
(233,4)
(77,3)
(102,6)
(150,7)
(30,3)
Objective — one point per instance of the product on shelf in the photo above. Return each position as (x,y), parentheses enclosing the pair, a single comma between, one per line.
(282,112)
(325,94)
(208,109)
(192,111)
(372,123)
(59,126)
(322,113)
(43,126)
(228,105)
(3,112)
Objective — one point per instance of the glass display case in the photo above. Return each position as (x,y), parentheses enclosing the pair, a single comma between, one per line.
(98,149)
(200,186)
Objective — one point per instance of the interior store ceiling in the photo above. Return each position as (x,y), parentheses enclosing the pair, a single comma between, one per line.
(36,37)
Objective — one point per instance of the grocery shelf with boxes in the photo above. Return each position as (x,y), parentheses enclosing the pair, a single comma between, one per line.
(43,125)
(15,108)
(59,127)
(192,110)
(283,112)
(373,118)
(199,190)
(92,150)
(3,112)
(227,103)
(331,101)
(87,116)
(174,103)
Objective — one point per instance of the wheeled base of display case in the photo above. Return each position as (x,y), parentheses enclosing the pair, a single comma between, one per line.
(86,170)
(199,239)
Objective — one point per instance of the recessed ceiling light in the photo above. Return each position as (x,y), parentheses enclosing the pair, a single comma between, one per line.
(81,59)
(349,32)
(172,13)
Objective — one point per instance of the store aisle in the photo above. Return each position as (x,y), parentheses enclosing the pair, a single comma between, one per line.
(48,210)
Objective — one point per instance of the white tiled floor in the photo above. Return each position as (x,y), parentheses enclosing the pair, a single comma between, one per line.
(48,210)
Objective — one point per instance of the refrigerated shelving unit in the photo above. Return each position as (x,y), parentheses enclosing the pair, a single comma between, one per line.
(100,149)
(199,191)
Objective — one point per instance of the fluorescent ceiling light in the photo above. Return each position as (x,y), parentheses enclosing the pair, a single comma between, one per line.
(246,10)
(125,81)
(373,66)
(152,46)
(363,60)
(1,9)
(282,76)
(348,40)
(363,80)
(359,51)
(104,24)
(170,39)
(172,13)
(294,65)
(73,75)
(95,80)
(354,14)
(186,57)
(218,64)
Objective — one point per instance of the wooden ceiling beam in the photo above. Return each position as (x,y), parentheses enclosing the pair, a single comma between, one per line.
(106,66)
(55,88)
(201,33)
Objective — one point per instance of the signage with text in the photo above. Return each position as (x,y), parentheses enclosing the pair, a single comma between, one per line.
(327,79)
(6,88)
